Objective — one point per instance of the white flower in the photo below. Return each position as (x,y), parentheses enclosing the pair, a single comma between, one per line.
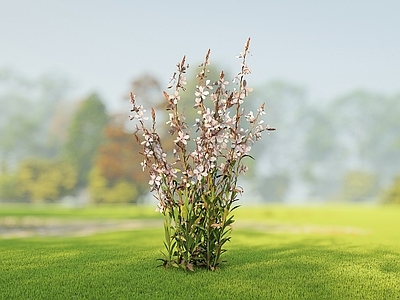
(139,114)
(242,149)
(228,119)
(208,86)
(182,137)
(158,151)
(213,97)
(148,140)
(243,169)
(240,55)
(172,171)
(223,83)
(171,118)
(159,208)
(261,111)
(175,97)
(148,152)
(182,81)
(238,97)
(201,92)
(250,117)
(197,103)
(246,70)
(200,172)
(143,164)
(155,180)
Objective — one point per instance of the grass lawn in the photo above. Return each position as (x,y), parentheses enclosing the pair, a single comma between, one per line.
(277,252)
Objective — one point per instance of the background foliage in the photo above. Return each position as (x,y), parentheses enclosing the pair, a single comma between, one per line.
(320,152)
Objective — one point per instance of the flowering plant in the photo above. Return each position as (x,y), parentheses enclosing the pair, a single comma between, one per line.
(196,186)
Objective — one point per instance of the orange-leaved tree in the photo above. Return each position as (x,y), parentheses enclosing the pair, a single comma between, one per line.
(117,176)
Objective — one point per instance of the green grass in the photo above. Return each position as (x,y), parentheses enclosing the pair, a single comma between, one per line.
(90,212)
(263,263)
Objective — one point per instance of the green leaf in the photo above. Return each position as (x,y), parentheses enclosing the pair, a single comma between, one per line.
(247,155)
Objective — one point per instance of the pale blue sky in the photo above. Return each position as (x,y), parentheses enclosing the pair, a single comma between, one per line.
(329,47)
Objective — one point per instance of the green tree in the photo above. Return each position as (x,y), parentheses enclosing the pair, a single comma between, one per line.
(85,135)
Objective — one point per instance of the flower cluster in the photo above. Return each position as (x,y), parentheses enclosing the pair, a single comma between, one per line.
(196,185)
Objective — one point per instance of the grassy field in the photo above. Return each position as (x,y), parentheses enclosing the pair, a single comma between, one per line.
(277,252)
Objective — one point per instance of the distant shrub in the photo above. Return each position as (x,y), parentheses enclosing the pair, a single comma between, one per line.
(392,194)
(103,191)
(42,180)
(359,186)
(38,180)
(9,188)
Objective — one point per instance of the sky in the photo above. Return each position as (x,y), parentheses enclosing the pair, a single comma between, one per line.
(327,47)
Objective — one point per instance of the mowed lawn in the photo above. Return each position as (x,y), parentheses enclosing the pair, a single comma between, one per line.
(277,252)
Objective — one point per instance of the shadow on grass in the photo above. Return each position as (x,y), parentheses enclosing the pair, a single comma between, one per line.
(315,267)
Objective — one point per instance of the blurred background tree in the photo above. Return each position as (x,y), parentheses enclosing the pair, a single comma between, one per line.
(391,195)
(85,135)
(345,149)
(27,107)
(280,156)
(146,87)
